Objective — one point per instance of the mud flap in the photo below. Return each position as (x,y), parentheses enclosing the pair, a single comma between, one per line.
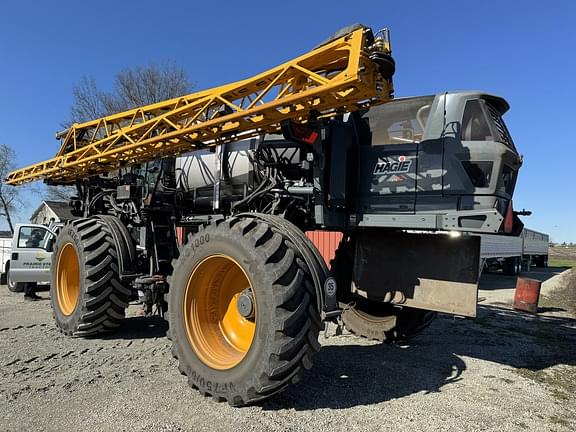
(425,271)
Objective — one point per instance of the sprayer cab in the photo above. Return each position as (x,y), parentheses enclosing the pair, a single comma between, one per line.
(444,162)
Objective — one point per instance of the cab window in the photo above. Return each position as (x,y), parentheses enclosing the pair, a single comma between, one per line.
(483,122)
(402,121)
(32,237)
(475,126)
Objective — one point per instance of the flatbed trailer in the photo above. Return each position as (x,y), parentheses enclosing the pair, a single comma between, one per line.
(514,254)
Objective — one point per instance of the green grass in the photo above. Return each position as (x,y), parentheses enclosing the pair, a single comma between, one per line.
(559,262)
(561,256)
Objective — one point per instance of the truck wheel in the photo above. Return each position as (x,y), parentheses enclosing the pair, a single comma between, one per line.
(243,318)
(541,261)
(86,294)
(383,322)
(13,286)
(512,266)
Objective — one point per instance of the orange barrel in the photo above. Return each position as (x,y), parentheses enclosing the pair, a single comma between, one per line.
(527,294)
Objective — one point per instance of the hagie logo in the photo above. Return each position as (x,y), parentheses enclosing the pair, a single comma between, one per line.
(401,166)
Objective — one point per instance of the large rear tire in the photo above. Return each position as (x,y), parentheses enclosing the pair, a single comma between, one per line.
(86,294)
(243,317)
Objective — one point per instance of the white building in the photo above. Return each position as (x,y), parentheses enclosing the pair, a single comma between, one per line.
(51,211)
(5,251)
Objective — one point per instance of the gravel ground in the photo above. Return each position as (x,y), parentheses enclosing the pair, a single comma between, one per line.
(504,371)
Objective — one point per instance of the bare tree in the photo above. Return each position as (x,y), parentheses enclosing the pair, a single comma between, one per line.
(147,85)
(135,87)
(59,193)
(10,196)
(142,85)
(88,101)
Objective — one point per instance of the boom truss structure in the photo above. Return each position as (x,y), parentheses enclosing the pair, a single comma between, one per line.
(343,75)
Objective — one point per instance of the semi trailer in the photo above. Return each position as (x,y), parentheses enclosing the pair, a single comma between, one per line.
(246,169)
(511,255)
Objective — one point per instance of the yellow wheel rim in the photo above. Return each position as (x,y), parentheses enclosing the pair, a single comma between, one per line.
(67,279)
(218,333)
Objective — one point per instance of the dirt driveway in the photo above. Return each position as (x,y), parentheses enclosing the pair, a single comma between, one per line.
(504,371)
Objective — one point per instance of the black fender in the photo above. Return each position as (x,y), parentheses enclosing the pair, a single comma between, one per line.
(124,244)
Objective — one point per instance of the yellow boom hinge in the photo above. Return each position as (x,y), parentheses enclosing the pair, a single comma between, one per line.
(344,74)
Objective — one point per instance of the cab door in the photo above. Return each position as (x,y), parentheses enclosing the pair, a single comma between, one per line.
(31,254)
(389,164)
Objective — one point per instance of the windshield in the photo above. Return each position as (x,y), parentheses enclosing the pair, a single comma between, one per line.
(32,237)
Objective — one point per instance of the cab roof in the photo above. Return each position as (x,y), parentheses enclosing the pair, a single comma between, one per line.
(498,102)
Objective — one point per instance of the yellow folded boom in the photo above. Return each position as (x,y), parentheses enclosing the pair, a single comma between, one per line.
(338,76)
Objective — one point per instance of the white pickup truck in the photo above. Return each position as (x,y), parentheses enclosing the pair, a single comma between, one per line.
(31,255)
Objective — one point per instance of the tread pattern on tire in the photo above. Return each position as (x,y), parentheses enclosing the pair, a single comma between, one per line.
(104,299)
(296,319)
(409,323)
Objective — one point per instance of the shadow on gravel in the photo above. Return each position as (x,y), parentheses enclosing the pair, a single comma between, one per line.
(550,309)
(139,328)
(345,376)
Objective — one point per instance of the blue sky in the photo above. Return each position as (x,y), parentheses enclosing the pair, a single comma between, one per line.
(521,50)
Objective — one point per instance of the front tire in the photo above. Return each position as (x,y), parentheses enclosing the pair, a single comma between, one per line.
(236,353)
(86,294)
(383,322)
